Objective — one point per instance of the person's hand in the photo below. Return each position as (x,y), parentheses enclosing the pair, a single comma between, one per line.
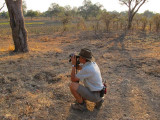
(73,59)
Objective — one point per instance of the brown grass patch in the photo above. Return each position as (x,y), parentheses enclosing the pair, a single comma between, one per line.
(57,50)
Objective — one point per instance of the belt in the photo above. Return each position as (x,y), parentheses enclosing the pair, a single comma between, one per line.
(96,91)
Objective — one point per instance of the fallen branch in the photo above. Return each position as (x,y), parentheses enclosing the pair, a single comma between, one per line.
(2,6)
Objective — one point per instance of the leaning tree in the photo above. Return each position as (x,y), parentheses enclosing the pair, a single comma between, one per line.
(19,33)
(133,6)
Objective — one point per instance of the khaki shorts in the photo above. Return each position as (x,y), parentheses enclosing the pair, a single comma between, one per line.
(89,95)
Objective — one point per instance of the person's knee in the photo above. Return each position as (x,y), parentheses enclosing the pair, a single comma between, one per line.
(74,86)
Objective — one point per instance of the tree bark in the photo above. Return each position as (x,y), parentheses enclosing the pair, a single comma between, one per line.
(130,19)
(19,33)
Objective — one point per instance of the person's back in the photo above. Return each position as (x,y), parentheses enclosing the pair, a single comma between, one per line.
(91,76)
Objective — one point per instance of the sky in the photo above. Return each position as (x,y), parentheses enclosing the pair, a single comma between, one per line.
(109,5)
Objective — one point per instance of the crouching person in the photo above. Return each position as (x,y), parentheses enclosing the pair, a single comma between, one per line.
(91,76)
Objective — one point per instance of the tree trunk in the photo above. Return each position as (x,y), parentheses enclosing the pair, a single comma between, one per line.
(129,25)
(157,27)
(150,27)
(19,32)
(130,18)
(117,25)
(107,25)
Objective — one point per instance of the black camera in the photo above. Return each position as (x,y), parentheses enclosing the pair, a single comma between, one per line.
(77,59)
(104,90)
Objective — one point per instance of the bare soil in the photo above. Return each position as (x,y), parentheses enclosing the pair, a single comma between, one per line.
(34,85)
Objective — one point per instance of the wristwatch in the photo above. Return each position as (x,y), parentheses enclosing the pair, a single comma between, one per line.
(73,66)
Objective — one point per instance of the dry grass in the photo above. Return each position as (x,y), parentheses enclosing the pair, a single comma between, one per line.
(58,50)
(34,86)
(155,51)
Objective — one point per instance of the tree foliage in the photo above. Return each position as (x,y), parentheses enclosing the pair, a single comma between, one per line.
(31,13)
(94,14)
(107,18)
(55,10)
(148,14)
(156,20)
(144,22)
(4,15)
(89,9)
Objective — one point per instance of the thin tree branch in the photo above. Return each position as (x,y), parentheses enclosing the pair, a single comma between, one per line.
(2,6)
(139,7)
(135,6)
(125,3)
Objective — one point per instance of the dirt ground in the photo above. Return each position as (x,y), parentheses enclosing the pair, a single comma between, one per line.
(34,86)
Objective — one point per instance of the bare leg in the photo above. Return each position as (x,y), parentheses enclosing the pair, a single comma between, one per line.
(73,88)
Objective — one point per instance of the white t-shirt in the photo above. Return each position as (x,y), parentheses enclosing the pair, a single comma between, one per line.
(91,76)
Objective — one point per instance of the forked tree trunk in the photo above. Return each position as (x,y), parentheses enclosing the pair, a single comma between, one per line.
(19,32)
(134,6)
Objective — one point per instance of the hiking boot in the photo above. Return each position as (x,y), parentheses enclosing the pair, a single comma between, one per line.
(99,104)
(78,106)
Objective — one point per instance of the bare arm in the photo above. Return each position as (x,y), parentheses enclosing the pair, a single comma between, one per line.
(73,72)
(73,75)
